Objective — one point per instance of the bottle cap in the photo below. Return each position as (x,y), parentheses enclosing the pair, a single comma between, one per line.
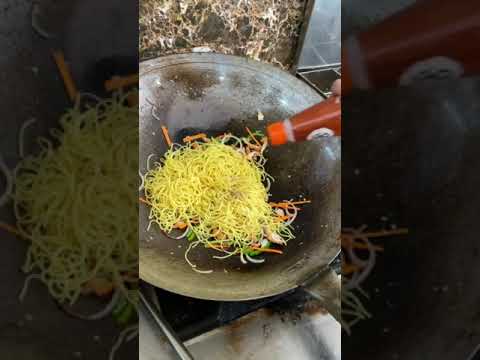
(277,134)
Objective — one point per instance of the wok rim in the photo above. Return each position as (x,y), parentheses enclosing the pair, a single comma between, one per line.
(288,282)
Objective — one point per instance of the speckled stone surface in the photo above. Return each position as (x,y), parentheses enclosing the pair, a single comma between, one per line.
(259,29)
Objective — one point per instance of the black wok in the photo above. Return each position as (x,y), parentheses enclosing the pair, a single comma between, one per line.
(216,93)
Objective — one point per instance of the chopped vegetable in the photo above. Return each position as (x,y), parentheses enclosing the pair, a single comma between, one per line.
(194,137)
(166,136)
(273,251)
(359,256)
(21,137)
(191,235)
(7,173)
(284,206)
(66,75)
(36,23)
(119,82)
(252,135)
(300,202)
(143,201)
(180,225)
(99,286)
(123,311)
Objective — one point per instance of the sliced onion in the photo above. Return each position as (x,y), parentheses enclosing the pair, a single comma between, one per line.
(171,236)
(353,256)
(269,184)
(242,258)
(36,13)
(26,284)
(292,217)
(9,182)
(148,161)
(125,334)
(21,136)
(202,271)
(229,254)
(152,110)
(192,246)
(142,184)
(227,137)
(255,261)
(91,96)
(264,146)
(150,224)
(184,234)
(132,336)
(279,212)
(264,243)
(168,235)
(366,265)
(107,310)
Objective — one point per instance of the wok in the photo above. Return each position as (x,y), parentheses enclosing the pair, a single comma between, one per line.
(217,93)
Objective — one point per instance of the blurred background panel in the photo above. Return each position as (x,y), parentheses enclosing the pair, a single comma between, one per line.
(408,162)
(32,88)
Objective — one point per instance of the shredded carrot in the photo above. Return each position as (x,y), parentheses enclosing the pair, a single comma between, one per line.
(215,247)
(222,136)
(349,241)
(254,147)
(99,286)
(284,217)
(253,137)
(166,136)
(300,202)
(383,233)
(194,137)
(66,75)
(143,201)
(274,251)
(284,206)
(180,225)
(11,229)
(290,203)
(118,82)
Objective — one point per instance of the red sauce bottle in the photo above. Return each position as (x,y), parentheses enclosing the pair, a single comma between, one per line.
(323,119)
(430,39)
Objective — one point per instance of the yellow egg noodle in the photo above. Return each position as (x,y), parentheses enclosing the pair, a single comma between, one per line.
(216,189)
(81,221)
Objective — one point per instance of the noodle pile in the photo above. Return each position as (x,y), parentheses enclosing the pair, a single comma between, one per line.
(218,193)
(73,201)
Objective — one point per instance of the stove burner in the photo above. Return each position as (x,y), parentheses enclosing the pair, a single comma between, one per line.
(191,317)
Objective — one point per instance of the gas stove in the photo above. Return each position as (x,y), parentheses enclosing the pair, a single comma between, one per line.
(270,328)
